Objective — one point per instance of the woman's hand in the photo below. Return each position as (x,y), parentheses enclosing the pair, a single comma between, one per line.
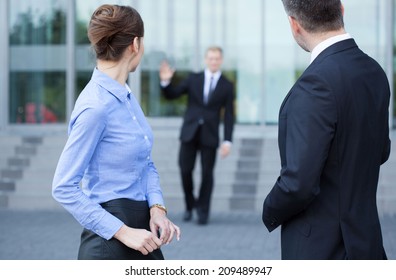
(160,223)
(138,239)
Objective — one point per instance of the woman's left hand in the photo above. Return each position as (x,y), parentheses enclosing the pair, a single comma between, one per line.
(160,223)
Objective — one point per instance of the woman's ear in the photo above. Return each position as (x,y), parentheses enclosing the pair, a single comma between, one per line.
(136,44)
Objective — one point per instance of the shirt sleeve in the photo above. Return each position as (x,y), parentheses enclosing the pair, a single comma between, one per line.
(165,83)
(154,193)
(85,131)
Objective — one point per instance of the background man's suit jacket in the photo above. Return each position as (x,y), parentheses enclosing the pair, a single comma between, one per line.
(208,115)
(333,137)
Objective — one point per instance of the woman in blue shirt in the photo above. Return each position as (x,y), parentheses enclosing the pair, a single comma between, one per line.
(105,177)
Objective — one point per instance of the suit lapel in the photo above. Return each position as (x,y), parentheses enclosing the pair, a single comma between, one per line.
(215,89)
(200,87)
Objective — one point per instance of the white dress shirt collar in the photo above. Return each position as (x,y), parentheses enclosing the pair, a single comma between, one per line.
(208,84)
(327,43)
(215,75)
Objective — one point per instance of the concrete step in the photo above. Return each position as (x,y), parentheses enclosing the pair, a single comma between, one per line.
(7,148)
(32,140)
(238,203)
(11,174)
(9,141)
(7,186)
(3,200)
(18,162)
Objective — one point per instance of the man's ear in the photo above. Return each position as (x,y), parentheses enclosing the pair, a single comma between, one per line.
(342,9)
(294,25)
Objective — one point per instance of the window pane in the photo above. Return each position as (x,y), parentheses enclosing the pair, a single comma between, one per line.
(169,35)
(243,55)
(37,61)
(39,22)
(35,98)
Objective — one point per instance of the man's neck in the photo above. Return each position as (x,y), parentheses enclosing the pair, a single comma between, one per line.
(317,38)
(327,42)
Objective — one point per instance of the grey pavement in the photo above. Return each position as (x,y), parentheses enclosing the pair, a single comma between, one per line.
(54,235)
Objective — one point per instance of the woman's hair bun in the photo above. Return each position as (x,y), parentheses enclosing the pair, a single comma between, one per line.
(112,29)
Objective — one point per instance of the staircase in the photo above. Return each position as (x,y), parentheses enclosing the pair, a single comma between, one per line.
(242,180)
(27,171)
(7,145)
(244,188)
(27,165)
(16,155)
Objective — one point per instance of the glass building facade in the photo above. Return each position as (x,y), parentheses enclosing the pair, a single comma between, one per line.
(46,60)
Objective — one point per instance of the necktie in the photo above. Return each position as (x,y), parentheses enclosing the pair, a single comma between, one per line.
(210,90)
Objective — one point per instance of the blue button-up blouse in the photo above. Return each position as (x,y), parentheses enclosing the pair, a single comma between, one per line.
(107,156)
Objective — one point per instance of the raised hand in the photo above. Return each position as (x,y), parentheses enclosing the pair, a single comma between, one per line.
(166,72)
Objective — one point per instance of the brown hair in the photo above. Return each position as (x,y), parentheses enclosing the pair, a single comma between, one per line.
(112,29)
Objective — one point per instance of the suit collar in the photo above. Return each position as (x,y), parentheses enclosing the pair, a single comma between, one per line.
(335,48)
(327,43)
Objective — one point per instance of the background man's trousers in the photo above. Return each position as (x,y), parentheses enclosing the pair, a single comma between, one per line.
(187,157)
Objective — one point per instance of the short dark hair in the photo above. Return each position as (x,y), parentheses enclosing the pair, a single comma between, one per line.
(316,15)
(112,29)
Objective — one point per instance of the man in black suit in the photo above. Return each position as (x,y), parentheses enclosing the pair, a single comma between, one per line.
(209,94)
(333,137)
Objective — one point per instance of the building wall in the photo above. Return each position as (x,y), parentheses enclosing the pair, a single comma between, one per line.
(46,59)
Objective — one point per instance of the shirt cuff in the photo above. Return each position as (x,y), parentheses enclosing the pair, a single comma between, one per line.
(165,83)
(228,143)
(108,226)
(155,199)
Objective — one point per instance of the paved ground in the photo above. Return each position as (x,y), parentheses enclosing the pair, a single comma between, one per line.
(54,235)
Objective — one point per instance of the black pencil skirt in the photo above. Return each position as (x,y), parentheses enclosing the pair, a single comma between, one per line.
(135,214)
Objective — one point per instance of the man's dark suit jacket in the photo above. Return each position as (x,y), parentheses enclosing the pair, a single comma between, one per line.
(208,115)
(333,137)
